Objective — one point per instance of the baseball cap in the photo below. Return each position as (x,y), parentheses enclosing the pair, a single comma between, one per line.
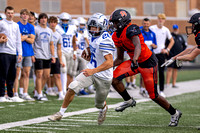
(161,15)
(175,26)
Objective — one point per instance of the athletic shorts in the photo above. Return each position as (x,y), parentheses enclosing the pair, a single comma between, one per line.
(42,64)
(26,62)
(102,87)
(149,76)
(55,67)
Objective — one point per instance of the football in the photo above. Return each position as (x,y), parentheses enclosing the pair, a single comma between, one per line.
(3,35)
(86,54)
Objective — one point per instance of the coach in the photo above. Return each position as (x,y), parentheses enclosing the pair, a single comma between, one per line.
(8,50)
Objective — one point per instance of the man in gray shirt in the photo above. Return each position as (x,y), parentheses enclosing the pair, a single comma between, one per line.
(44,54)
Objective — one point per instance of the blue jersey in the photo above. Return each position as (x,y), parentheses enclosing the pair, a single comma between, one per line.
(27,48)
(149,37)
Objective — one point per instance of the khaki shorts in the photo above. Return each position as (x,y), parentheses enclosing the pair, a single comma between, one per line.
(102,87)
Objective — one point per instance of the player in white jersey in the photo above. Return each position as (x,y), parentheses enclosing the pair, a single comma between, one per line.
(55,67)
(99,71)
(68,33)
(44,54)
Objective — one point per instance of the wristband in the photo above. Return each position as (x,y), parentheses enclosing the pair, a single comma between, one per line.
(168,49)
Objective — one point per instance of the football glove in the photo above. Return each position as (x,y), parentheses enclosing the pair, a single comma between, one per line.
(167,63)
(134,65)
(179,63)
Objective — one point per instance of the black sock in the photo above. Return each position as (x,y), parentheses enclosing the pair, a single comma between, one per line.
(125,95)
(127,84)
(171,110)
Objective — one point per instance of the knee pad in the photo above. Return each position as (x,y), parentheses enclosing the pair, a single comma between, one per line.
(99,106)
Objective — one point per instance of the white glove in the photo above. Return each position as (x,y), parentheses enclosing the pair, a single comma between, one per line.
(167,63)
(179,63)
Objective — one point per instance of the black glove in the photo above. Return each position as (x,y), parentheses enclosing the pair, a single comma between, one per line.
(134,65)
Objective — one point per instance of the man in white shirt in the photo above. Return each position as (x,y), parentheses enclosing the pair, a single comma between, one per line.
(162,33)
(8,50)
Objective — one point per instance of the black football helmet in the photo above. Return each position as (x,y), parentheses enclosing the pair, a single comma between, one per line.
(121,18)
(195,21)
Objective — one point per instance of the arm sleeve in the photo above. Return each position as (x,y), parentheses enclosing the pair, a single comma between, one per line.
(132,30)
(18,41)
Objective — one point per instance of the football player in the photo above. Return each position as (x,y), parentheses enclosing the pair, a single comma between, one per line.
(99,70)
(128,37)
(68,33)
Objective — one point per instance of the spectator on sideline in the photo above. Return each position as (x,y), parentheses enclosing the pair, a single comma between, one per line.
(179,46)
(55,67)
(8,50)
(44,54)
(162,33)
(27,37)
(68,33)
(150,41)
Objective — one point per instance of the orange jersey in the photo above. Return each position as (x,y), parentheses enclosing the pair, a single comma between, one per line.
(126,43)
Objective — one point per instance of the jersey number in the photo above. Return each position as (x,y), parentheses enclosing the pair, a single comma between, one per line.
(66,42)
(93,60)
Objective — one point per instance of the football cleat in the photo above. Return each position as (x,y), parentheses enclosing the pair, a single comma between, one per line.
(56,117)
(126,104)
(102,115)
(175,119)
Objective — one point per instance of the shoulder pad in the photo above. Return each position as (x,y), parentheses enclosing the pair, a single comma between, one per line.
(132,30)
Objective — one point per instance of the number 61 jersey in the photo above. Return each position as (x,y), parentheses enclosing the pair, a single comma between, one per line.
(67,36)
(99,47)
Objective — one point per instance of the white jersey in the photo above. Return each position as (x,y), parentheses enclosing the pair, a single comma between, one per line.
(41,46)
(81,42)
(11,30)
(67,37)
(57,39)
(161,35)
(100,47)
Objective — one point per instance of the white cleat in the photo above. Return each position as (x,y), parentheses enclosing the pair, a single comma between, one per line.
(27,98)
(16,99)
(126,104)
(102,115)
(4,99)
(175,119)
(162,94)
(56,117)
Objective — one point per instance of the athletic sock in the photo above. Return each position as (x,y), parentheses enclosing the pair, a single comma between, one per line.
(21,90)
(171,110)
(62,110)
(125,95)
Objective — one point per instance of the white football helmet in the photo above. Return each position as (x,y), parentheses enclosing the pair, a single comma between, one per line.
(65,16)
(81,20)
(75,22)
(97,20)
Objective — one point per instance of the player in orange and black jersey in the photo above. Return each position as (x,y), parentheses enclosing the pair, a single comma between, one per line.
(128,37)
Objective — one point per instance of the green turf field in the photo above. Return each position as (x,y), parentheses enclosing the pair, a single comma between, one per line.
(146,117)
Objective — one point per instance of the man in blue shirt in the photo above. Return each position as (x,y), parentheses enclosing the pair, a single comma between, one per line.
(27,37)
(150,41)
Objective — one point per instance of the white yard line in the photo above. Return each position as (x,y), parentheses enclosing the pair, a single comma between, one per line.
(185,85)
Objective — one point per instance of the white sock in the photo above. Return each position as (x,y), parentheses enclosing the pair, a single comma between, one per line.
(49,89)
(64,81)
(39,96)
(134,80)
(35,93)
(60,94)
(34,79)
(25,94)
(62,110)
(21,90)
(16,94)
